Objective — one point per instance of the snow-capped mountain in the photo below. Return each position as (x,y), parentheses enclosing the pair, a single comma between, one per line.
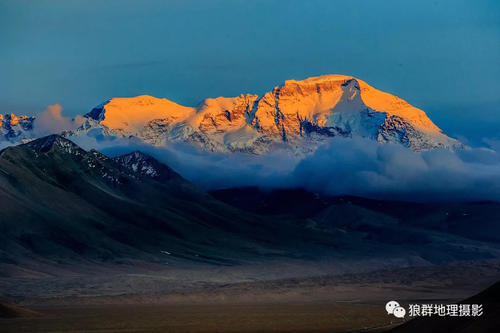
(142,164)
(14,128)
(297,115)
(135,164)
(55,142)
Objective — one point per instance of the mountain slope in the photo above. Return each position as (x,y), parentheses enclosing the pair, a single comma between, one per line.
(64,208)
(487,322)
(146,165)
(299,114)
(14,128)
(404,224)
(64,205)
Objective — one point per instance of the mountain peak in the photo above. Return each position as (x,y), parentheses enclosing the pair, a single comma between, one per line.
(15,128)
(146,165)
(53,142)
(298,115)
(326,91)
(320,79)
(131,114)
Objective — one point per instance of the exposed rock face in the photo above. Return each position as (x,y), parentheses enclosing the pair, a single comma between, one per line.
(14,128)
(298,115)
(145,165)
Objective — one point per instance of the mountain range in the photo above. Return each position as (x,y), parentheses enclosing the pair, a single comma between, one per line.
(16,129)
(297,116)
(66,207)
(62,204)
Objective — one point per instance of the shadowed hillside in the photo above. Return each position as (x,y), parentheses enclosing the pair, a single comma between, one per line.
(62,204)
(488,322)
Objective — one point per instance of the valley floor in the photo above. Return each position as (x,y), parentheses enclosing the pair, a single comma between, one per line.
(154,303)
(202,318)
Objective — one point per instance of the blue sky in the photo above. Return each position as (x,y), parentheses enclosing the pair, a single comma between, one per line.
(442,56)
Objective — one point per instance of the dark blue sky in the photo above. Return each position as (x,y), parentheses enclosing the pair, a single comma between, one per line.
(442,56)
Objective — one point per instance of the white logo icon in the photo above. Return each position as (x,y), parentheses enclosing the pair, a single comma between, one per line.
(390,306)
(399,312)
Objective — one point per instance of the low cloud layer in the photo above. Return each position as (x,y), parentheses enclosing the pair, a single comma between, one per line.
(363,167)
(343,166)
(353,166)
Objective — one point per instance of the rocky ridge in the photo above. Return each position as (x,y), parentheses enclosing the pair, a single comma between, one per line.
(297,116)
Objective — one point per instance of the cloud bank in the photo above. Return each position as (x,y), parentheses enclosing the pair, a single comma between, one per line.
(354,166)
(366,168)
(52,121)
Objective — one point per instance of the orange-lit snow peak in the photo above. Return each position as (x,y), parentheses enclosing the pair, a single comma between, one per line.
(311,109)
(133,113)
(13,119)
(319,94)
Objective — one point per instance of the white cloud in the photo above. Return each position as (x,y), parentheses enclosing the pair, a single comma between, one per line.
(343,166)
